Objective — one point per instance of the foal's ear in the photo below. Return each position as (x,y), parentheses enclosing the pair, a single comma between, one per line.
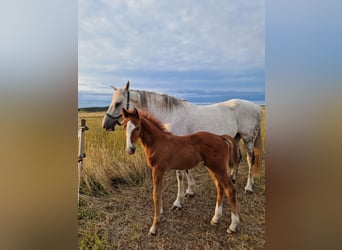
(136,113)
(124,113)
(127,85)
(113,87)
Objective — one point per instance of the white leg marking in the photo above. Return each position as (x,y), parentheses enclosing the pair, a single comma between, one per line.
(153,230)
(248,187)
(235,221)
(217,215)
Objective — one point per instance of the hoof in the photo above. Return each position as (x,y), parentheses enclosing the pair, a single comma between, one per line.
(152,231)
(151,234)
(214,223)
(177,205)
(229,231)
(190,195)
(248,191)
(174,207)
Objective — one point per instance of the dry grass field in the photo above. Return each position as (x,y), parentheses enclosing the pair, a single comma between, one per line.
(116,208)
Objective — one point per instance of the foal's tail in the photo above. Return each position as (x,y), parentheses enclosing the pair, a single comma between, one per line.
(257,155)
(234,150)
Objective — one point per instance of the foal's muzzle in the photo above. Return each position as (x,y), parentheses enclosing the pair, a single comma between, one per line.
(130,150)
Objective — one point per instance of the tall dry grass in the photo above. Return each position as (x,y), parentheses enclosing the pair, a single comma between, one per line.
(106,164)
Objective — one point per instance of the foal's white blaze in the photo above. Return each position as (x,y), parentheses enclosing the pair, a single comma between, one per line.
(129,146)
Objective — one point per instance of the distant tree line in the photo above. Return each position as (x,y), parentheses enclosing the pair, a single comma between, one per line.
(93,109)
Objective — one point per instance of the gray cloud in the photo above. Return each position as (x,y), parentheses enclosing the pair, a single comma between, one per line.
(118,38)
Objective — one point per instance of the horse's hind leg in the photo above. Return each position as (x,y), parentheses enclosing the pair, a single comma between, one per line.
(219,199)
(250,160)
(230,192)
(177,204)
(191,184)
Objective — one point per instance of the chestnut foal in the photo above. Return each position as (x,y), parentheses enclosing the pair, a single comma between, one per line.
(165,151)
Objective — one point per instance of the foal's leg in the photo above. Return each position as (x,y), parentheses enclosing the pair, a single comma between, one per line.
(157,177)
(219,198)
(230,192)
(250,160)
(180,195)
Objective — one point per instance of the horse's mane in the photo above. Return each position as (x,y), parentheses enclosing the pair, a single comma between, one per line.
(152,119)
(168,102)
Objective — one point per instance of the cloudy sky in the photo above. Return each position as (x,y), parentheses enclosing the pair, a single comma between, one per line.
(202,51)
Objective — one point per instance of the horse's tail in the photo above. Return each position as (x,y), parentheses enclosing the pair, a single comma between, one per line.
(234,152)
(257,155)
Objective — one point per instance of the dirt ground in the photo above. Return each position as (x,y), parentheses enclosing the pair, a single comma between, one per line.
(122,220)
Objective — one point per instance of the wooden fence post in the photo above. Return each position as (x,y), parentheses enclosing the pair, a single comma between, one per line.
(81,153)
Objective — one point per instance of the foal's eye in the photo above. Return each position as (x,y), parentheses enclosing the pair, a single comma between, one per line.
(117,104)
(137,128)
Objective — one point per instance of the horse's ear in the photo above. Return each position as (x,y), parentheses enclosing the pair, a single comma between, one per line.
(113,87)
(136,113)
(127,85)
(124,113)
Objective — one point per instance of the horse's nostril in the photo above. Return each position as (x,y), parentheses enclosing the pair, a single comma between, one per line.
(130,150)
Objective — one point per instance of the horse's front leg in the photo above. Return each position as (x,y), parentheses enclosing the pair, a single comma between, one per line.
(177,204)
(191,184)
(157,176)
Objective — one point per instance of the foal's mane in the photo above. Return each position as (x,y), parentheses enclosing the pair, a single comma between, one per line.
(152,119)
(168,102)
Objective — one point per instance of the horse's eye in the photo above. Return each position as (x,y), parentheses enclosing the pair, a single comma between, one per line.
(117,104)
(137,128)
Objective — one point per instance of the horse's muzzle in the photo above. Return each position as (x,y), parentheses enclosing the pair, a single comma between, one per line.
(107,128)
(108,124)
